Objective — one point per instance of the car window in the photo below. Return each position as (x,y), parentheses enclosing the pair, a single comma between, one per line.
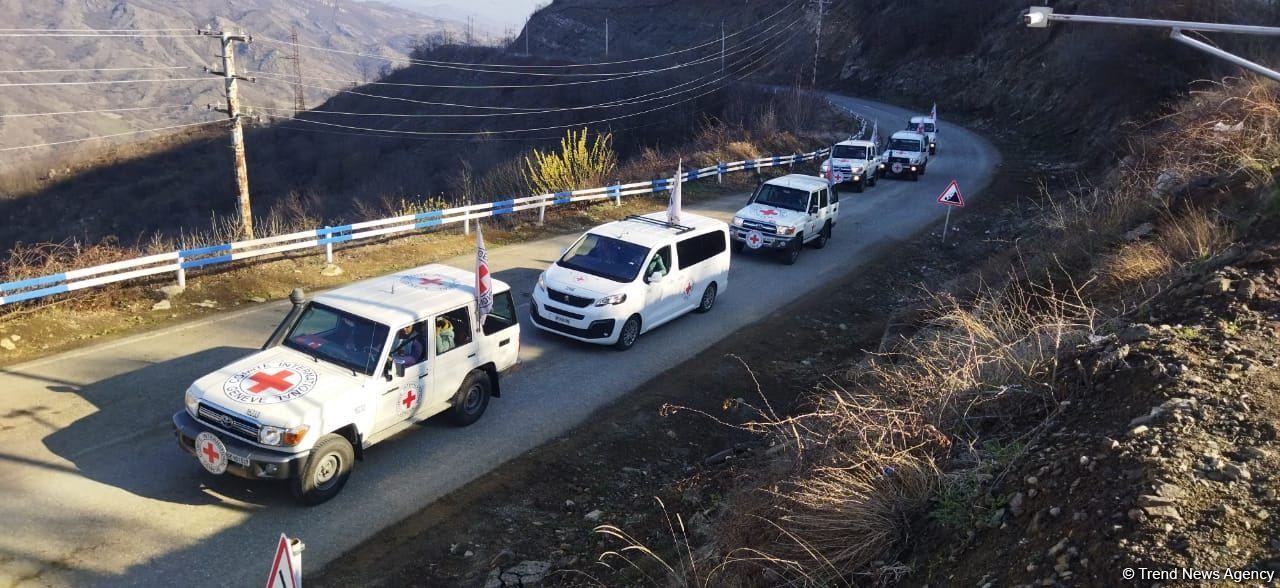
(605,257)
(850,152)
(904,145)
(822,199)
(338,337)
(409,346)
(781,197)
(660,264)
(695,250)
(503,315)
(453,330)
(835,195)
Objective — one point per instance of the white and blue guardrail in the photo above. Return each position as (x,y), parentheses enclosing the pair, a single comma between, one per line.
(178,262)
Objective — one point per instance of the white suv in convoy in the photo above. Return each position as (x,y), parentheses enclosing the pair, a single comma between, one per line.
(930,131)
(854,161)
(629,277)
(907,155)
(346,370)
(786,213)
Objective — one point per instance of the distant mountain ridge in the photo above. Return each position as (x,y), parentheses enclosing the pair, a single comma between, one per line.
(356,27)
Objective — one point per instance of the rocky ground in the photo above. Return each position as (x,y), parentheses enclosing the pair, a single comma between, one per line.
(1161,458)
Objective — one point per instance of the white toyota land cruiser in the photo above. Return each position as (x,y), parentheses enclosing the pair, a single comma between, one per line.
(930,130)
(347,370)
(906,156)
(854,161)
(629,277)
(785,214)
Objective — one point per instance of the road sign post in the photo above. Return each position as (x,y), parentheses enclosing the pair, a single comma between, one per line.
(951,198)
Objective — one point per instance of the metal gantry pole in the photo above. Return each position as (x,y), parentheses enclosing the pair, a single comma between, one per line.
(606,38)
(1040,17)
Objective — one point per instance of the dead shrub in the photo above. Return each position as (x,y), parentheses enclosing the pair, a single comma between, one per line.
(1135,263)
(1192,236)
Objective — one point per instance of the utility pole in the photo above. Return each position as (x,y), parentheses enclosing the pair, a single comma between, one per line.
(817,39)
(606,37)
(299,97)
(237,129)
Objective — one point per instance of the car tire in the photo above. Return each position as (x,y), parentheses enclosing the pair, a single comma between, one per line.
(708,299)
(858,187)
(737,246)
(933,151)
(792,254)
(915,176)
(823,236)
(471,400)
(325,472)
(629,333)
(873,180)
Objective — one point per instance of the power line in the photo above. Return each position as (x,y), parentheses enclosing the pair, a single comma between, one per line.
(640,99)
(91,69)
(104,110)
(618,76)
(105,82)
(96,138)
(478,67)
(528,130)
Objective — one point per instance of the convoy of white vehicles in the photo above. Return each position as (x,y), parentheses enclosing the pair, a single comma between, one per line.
(927,126)
(359,364)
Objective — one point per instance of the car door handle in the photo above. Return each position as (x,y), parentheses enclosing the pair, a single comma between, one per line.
(471,356)
(504,342)
(423,376)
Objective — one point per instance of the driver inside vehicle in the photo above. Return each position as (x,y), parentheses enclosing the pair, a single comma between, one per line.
(657,267)
(408,349)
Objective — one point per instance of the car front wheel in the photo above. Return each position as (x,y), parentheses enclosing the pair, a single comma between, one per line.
(708,299)
(325,472)
(472,399)
(630,332)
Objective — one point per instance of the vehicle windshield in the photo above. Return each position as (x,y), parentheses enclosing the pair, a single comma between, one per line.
(605,257)
(904,145)
(930,128)
(781,197)
(849,152)
(338,337)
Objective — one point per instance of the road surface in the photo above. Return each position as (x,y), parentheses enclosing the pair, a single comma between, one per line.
(94,490)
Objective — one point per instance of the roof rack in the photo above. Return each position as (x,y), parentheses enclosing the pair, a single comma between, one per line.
(681,229)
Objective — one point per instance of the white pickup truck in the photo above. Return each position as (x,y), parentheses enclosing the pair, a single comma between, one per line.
(930,127)
(346,370)
(907,155)
(856,162)
(785,214)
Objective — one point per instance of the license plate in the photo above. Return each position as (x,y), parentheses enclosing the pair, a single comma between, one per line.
(244,461)
(560,319)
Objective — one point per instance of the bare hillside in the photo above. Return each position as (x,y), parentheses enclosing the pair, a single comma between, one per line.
(359,27)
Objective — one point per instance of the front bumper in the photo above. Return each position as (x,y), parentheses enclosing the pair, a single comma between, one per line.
(886,169)
(574,323)
(245,461)
(769,241)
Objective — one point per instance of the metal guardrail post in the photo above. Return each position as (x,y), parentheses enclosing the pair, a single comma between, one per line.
(617,193)
(542,212)
(466,223)
(182,273)
(328,247)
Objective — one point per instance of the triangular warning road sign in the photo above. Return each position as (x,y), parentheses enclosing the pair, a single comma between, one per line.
(284,567)
(952,196)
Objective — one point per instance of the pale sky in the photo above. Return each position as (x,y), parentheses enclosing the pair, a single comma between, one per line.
(500,13)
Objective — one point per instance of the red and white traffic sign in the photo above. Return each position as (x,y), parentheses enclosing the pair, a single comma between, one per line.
(284,570)
(952,196)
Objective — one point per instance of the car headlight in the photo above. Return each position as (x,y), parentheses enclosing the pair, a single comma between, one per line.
(737,221)
(612,300)
(281,437)
(192,402)
(542,283)
(786,231)
(826,167)
(859,170)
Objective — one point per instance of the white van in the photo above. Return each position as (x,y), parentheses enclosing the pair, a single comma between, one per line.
(786,213)
(628,277)
(346,370)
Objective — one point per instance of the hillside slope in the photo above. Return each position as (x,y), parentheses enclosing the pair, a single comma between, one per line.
(363,27)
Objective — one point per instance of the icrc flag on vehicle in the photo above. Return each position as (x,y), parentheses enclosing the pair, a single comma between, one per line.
(484,282)
(933,112)
(875,133)
(673,207)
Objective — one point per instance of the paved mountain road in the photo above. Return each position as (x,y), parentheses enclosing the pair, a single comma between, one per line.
(94,491)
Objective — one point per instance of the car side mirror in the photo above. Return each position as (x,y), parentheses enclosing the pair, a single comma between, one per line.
(653,278)
(399,369)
